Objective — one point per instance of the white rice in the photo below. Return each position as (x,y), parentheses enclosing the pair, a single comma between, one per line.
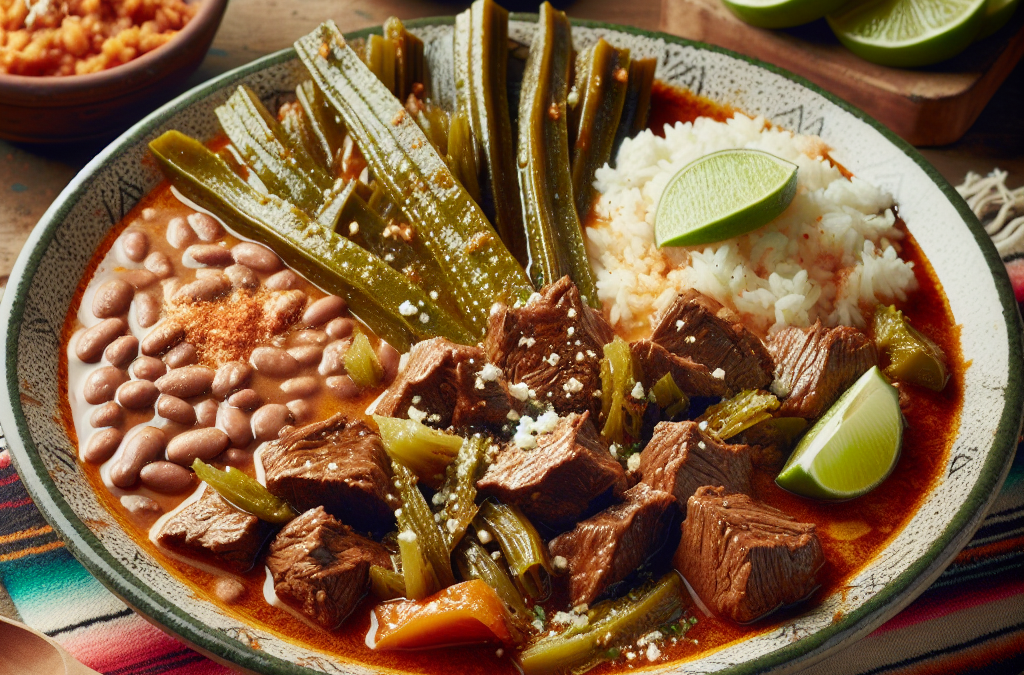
(832,255)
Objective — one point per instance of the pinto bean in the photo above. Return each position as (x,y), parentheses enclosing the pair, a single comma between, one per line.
(102,383)
(141,505)
(268,421)
(110,414)
(159,264)
(235,457)
(241,276)
(257,257)
(203,290)
(139,279)
(140,448)
(301,387)
(283,309)
(113,298)
(310,336)
(182,354)
(148,368)
(235,424)
(122,351)
(206,413)
(179,233)
(93,341)
(175,410)
(167,478)
(323,310)
(171,286)
(162,338)
(342,386)
(201,444)
(246,399)
(228,590)
(231,376)
(285,280)
(274,362)
(307,355)
(207,255)
(147,309)
(208,273)
(333,361)
(301,410)
(340,328)
(186,382)
(137,394)
(389,359)
(102,445)
(206,226)
(135,245)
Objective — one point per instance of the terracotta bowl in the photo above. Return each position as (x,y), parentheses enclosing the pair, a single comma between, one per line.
(97,105)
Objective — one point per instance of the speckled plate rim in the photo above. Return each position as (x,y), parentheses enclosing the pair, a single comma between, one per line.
(87,548)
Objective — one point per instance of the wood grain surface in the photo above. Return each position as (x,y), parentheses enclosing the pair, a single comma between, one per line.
(32,177)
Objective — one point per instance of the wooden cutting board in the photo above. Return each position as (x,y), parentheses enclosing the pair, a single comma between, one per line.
(926,106)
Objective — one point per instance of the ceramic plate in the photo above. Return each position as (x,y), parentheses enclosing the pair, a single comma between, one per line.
(47,273)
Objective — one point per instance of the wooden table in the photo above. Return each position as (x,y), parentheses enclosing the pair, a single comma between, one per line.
(32,177)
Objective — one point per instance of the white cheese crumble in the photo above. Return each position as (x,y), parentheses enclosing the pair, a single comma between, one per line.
(718,374)
(638,391)
(633,463)
(484,536)
(690,339)
(417,414)
(570,331)
(332,466)
(573,386)
(512,416)
(653,653)
(553,359)
(527,342)
(679,325)
(520,390)
(560,563)
(571,313)
(424,317)
(534,297)
(452,525)
(407,536)
(528,429)
(490,372)
(407,309)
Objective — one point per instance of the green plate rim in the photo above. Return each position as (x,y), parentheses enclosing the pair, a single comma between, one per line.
(84,545)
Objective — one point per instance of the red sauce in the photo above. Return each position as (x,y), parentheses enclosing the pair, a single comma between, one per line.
(852,533)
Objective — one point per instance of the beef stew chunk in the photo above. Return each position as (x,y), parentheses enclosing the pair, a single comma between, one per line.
(692,378)
(555,482)
(339,464)
(606,548)
(745,559)
(212,530)
(817,364)
(320,566)
(448,385)
(680,458)
(553,344)
(701,329)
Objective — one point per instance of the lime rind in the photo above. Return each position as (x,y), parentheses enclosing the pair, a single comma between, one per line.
(997,15)
(853,448)
(781,13)
(908,33)
(722,195)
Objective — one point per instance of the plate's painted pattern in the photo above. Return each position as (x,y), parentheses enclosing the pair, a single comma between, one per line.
(113,183)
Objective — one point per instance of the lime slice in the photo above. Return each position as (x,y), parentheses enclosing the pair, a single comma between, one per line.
(853,447)
(997,13)
(908,33)
(781,13)
(723,195)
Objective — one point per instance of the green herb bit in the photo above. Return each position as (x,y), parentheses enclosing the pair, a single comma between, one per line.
(425,451)
(669,397)
(362,364)
(730,417)
(621,411)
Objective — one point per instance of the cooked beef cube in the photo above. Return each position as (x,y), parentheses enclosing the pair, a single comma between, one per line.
(702,329)
(339,464)
(606,548)
(681,458)
(693,379)
(554,482)
(745,559)
(444,385)
(554,345)
(321,567)
(213,531)
(817,364)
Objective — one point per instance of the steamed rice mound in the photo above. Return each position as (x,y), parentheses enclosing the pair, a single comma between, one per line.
(832,255)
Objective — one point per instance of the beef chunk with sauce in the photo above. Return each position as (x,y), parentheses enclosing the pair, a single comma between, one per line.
(701,329)
(212,530)
(339,464)
(320,566)
(817,364)
(444,385)
(606,548)
(680,458)
(554,482)
(554,345)
(692,378)
(745,559)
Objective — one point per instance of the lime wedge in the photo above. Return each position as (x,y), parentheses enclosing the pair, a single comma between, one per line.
(853,447)
(997,13)
(781,13)
(723,195)
(908,33)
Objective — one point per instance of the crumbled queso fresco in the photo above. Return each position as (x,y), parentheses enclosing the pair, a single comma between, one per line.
(529,429)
